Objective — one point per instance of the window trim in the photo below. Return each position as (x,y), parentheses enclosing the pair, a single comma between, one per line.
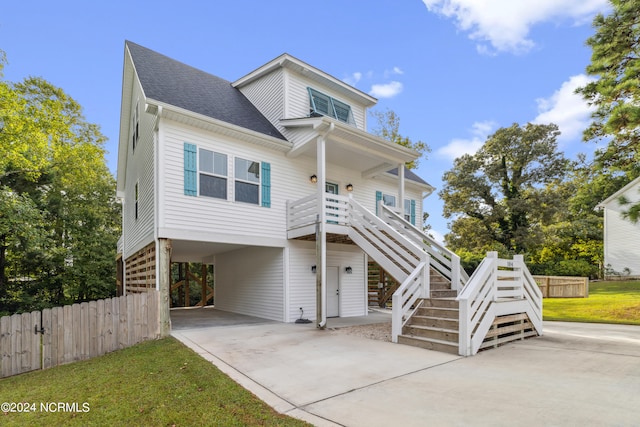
(213,174)
(245,181)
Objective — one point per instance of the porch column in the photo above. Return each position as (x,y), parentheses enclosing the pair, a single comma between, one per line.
(321,236)
(163,272)
(400,205)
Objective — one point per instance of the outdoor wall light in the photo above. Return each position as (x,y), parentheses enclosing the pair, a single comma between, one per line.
(349,187)
(313,178)
(313,269)
(349,270)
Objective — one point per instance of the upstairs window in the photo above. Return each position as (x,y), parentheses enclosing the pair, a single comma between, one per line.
(247,181)
(136,200)
(209,171)
(135,125)
(328,106)
(213,174)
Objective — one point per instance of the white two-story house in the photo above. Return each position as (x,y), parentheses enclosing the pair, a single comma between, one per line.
(275,181)
(212,166)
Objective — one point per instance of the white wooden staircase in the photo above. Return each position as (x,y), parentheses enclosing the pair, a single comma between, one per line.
(437,306)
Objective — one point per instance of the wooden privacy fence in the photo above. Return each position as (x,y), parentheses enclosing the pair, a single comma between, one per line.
(563,286)
(52,337)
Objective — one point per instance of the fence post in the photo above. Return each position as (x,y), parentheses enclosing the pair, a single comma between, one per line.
(518,261)
(456,282)
(493,256)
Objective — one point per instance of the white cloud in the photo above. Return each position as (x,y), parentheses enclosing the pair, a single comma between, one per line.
(505,24)
(353,79)
(394,71)
(566,109)
(458,146)
(386,90)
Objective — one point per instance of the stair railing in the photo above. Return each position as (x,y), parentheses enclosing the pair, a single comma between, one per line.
(405,297)
(443,260)
(396,254)
(497,287)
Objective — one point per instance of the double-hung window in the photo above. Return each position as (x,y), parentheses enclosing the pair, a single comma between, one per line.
(328,106)
(210,174)
(247,181)
(213,174)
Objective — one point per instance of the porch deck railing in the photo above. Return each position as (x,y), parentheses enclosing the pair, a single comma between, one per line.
(498,287)
(304,212)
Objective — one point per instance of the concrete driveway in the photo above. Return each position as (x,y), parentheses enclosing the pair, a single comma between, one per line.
(575,375)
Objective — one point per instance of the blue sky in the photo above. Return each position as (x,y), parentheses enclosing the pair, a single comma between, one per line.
(453,70)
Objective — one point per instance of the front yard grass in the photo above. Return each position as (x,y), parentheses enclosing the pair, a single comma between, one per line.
(156,383)
(608,302)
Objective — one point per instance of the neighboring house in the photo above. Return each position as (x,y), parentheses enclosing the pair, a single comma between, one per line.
(621,236)
(211,167)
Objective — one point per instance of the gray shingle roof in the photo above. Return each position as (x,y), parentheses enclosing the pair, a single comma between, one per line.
(408,174)
(174,83)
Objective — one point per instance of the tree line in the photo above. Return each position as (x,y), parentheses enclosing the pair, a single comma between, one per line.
(519,194)
(59,220)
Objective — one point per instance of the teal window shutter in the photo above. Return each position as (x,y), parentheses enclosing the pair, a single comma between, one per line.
(190,170)
(413,212)
(266,184)
(378,198)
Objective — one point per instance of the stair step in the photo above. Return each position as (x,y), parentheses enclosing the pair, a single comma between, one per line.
(429,344)
(440,334)
(441,302)
(446,313)
(443,293)
(434,322)
(436,285)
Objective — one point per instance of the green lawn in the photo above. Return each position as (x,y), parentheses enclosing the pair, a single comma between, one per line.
(156,383)
(608,302)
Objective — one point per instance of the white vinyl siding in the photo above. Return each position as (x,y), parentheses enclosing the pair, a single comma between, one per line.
(140,175)
(621,236)
(205,218)
(283,94)
(302,288)
(298,99)
(267,94)
(250,281)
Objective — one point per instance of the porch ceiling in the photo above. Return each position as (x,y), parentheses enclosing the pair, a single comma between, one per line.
(348,146)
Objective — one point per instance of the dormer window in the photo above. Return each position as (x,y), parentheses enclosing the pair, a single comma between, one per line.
(328,106)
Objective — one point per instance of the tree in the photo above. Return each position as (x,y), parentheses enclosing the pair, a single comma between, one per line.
(615,63)
(59,220)
(498,195)
(388,127)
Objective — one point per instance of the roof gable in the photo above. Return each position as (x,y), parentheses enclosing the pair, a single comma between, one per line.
(635,184)
(169,81)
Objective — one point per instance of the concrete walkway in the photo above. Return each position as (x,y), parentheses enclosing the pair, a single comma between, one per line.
(575,375)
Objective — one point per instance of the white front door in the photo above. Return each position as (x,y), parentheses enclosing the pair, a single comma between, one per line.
(333,292)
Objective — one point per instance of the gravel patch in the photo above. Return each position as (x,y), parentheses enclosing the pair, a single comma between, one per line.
(375,331)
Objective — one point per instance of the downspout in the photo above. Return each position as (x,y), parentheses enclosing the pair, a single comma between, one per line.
(321,234)
(400,206)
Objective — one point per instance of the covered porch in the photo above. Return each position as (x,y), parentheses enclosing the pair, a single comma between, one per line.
(327,217)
